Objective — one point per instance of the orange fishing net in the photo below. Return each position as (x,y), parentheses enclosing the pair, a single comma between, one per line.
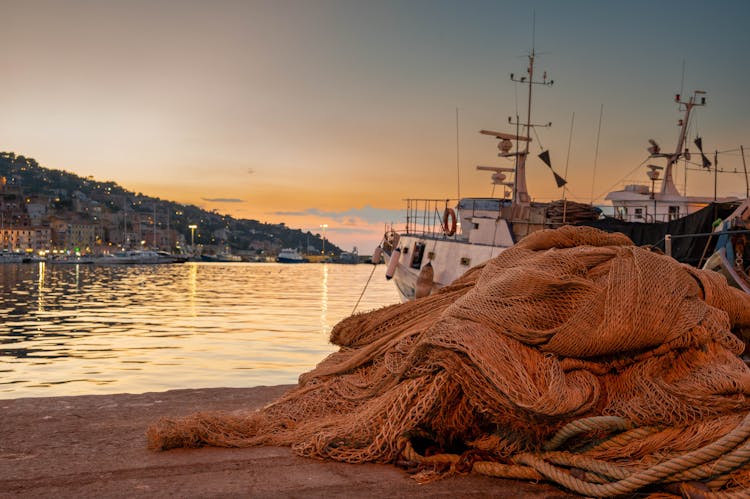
(573,356)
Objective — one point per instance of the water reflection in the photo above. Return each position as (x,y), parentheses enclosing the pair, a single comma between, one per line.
(324,299)
(73,329)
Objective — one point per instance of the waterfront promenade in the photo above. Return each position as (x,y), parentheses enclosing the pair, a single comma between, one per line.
(95,446)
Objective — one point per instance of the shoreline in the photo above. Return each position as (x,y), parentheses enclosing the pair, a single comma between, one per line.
(95,446)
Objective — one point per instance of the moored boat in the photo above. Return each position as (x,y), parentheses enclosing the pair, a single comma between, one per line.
(442,238)
(642,203)
(10,257)
(732,255)
(290,255)
(129,257)
(69,259)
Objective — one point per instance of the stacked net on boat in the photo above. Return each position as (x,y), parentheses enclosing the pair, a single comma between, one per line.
(573,357)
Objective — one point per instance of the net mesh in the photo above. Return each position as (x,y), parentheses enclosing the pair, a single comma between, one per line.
(566,325)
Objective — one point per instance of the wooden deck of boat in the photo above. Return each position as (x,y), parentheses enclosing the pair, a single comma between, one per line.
(95,446)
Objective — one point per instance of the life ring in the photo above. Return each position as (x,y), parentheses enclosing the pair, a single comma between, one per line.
(449,222)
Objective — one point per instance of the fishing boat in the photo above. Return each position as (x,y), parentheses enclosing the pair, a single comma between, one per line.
(659,214)
(641,203)
(290,255)
(443,238)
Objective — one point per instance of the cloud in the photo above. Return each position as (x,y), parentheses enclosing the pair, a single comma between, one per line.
(349,217)
(223,200)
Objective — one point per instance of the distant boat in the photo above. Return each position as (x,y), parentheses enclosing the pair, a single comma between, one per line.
(290,255)
(166,257)
(348,257)
(221,257)
(70,260)
(129,257)
(10,257)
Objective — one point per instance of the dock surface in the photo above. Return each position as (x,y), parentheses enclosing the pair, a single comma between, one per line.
(95,446)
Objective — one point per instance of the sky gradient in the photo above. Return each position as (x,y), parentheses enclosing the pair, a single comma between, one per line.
(320,111)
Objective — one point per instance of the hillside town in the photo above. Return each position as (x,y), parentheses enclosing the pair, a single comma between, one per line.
(46,212)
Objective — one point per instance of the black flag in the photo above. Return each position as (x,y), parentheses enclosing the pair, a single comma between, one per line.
(699,145)
(544,156)
(560,181)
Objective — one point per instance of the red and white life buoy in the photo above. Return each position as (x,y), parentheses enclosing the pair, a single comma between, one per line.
(449,222)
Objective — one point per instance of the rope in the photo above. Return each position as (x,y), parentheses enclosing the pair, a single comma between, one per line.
(364,289)
(585,426)
(649,475)
(594,477)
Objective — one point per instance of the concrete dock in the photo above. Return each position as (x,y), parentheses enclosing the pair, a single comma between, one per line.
(95,446)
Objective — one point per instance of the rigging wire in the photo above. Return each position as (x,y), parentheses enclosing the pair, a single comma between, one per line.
(596,152)
(567,162)
(620,180)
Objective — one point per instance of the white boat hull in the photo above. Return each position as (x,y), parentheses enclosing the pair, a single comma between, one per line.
(449,258)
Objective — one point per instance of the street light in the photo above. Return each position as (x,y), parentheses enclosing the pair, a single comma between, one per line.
(192,228)
(324,227)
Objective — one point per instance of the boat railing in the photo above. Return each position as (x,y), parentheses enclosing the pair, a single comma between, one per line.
(424,217)
(646,213)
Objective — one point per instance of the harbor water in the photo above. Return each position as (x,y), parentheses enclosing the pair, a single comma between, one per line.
(89,329)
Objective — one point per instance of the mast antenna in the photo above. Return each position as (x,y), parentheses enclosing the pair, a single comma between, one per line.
(596,150)
(458,162)
(520,193)
(682,81)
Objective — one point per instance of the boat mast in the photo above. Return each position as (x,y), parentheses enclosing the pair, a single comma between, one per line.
(520,191)
(668,188)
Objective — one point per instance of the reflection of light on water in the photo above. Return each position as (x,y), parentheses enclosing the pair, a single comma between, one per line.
(193,283)
(40,288)
(324,300)
(112,329)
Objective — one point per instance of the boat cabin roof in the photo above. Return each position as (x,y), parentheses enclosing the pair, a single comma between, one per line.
(482,204)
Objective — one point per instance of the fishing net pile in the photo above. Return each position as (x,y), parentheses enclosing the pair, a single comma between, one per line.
(573,357)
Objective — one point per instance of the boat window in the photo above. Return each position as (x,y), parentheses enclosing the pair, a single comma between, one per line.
(638,213)
(674,212)
(416,257)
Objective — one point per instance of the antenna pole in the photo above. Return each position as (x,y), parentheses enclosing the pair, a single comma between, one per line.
(744,165)
(682,81)
(520,193)
(667,185)
(458,163)
(596,151)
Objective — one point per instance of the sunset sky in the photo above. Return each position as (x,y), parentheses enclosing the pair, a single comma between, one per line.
(334,111)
